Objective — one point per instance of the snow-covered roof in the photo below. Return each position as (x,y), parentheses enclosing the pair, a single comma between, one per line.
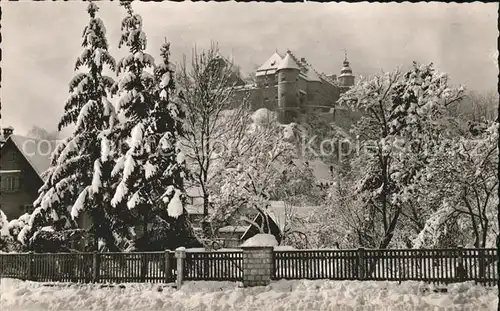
(272,63)
(308,73)
(288,63)
(311,75)
(37,152)
(346,69)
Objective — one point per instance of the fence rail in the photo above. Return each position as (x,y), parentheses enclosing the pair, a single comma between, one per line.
(433,266)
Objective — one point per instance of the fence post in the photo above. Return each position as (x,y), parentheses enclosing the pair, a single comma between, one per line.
(95,267)
(361,263)
(168,269)
(29,269)
(258,265)
(180,254)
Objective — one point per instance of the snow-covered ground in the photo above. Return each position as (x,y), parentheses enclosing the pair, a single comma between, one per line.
(282,295)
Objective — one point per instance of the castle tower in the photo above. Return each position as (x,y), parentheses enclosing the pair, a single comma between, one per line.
(288,89)
(346,78)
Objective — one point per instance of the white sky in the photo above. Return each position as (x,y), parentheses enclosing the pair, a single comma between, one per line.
(41,41)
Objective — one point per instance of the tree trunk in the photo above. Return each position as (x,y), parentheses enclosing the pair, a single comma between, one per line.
(385,241)
(205,226)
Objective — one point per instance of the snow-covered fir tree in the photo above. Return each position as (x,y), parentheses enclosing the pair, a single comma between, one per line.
(150,166)
(73,182)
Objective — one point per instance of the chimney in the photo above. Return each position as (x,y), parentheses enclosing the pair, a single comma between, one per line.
(303,60)
(7,131)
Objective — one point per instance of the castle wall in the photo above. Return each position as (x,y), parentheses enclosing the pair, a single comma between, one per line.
(287,88)
(288,94)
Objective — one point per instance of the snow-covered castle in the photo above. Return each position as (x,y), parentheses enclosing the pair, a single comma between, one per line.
(291,86)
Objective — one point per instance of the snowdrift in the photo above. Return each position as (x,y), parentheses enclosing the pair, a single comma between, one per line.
(224,296)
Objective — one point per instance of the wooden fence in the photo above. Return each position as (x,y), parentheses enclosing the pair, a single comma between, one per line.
(153,267)
(215,266)
(433,266)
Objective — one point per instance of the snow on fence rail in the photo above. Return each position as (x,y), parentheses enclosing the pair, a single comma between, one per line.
(429,265)
(434,266)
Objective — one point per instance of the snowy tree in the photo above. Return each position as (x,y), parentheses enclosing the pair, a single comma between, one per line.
(464,174)
(9,239)
(73,181)
(150,166)
(4,225)
(215,110)
(477,107)
(340,222)
(5,237)
(261,168)
(404,116)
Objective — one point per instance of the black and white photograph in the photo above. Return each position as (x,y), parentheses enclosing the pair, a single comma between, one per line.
(249,156)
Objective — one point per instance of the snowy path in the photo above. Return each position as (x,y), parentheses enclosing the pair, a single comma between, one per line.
(224,296)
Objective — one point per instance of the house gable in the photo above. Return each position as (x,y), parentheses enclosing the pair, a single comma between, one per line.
(19,181)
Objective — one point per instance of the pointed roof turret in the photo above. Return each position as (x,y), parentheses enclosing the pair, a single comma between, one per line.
(288,63)
(346,69)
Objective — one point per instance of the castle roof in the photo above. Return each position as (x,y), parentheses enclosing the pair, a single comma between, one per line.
(346,69)
(307,71)
(272,63)
(288,63)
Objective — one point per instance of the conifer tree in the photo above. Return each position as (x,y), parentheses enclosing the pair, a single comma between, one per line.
(74,181)
(151,165)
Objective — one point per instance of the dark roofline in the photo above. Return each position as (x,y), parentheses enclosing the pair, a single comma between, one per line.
(9,142)
(19,148)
